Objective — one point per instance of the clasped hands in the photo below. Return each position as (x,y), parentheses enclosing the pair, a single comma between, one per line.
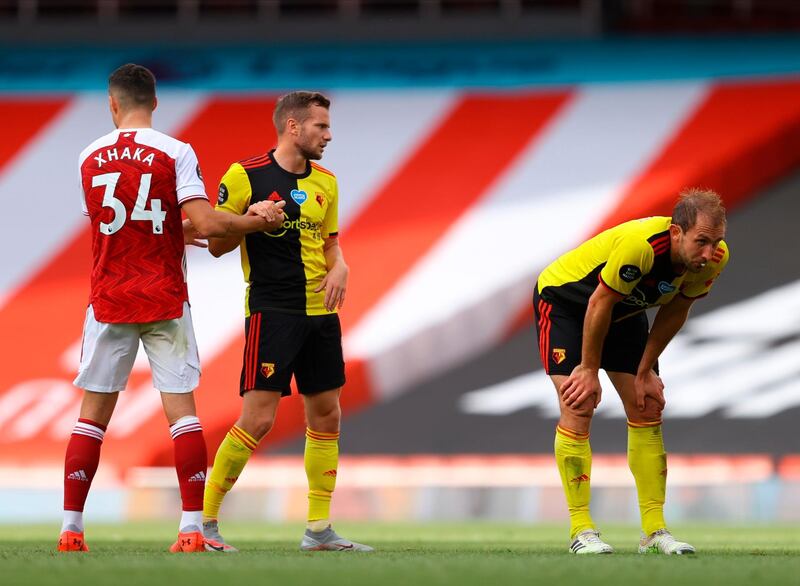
(271,211)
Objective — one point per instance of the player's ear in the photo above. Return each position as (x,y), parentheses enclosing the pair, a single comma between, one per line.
(155,102)
(675,230)
(113,106)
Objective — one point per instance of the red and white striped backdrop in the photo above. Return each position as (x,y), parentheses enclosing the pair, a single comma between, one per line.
(451,202)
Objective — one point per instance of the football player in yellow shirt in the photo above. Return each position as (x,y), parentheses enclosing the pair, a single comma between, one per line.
(296,281)
(590,313)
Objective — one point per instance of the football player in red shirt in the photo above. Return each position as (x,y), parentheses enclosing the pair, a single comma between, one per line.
(135,181)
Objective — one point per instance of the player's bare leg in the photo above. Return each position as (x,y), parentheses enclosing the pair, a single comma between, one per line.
(648,463)
(190,465)
(80,464)
(574,459)
(259,409)
(321,457)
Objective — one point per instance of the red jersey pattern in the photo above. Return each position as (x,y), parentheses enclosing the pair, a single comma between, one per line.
(133,183)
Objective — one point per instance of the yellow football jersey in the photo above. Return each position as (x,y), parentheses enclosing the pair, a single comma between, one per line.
(632,259)
(282,268)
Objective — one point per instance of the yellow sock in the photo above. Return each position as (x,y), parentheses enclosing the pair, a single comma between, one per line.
(321,459)
(574,459)
(232,455)
(648,462)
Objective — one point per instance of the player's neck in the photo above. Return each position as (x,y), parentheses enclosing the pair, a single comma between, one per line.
(678,267)
(135,119)
(290,160)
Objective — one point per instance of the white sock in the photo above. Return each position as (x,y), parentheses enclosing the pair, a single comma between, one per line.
(73,518)
(189,518)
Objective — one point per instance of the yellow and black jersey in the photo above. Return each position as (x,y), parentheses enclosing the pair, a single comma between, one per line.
(632,259)
(282,268)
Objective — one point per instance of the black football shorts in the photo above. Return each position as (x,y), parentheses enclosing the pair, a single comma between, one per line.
(281,345)
(560,330)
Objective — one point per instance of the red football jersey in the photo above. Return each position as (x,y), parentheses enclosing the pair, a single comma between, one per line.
(133,184)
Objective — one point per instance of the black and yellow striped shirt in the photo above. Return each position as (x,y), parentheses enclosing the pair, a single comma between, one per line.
(282,268)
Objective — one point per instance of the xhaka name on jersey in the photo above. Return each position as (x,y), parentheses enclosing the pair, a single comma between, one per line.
(113,154)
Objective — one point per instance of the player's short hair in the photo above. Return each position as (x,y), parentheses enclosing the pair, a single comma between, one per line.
(695,200)
(296,105)
(133,85)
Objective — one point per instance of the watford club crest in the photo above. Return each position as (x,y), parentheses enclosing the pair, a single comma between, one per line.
(559,355)
(320,199)
(267,369)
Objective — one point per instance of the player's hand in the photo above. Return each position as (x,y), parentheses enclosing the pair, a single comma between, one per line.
(582,385)
(335,285)
(271,211)
(191,237)
(649,384)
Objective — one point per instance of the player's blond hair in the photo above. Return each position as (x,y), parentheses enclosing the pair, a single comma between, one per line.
(296,105)
(695,200)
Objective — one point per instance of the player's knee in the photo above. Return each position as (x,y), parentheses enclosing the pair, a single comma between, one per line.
(583,411)
(652,412)
(326,421)
(261,425)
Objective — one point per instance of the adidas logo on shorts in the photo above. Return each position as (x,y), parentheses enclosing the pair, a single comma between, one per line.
(199,477)
(78,475)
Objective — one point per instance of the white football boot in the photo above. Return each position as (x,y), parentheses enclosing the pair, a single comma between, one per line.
(662,541)
(329,540)
(213,540)
(588,541)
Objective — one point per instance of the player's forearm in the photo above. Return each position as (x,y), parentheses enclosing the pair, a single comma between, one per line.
(211,223)
(595,329)
(668,322)
(220,246)
(223,225)
(333,254)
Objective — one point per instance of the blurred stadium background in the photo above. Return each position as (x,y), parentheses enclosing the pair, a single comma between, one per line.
(474,140)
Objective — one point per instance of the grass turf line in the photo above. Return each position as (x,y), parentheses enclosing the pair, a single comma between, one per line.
(464,554)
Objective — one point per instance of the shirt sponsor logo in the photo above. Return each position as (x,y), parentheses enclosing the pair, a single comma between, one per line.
(629,273)
(637,298)
(299,196)
(222,194)
(298,224)
(665,288)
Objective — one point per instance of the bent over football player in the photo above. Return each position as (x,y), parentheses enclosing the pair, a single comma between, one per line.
(590,314)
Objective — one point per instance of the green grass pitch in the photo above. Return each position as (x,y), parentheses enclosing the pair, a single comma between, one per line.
(463,554)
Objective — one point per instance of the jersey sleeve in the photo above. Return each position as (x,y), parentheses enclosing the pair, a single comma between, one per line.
(630,258)
(188,179)
(234,191)
(84,207)
(701,284)
(330,225)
